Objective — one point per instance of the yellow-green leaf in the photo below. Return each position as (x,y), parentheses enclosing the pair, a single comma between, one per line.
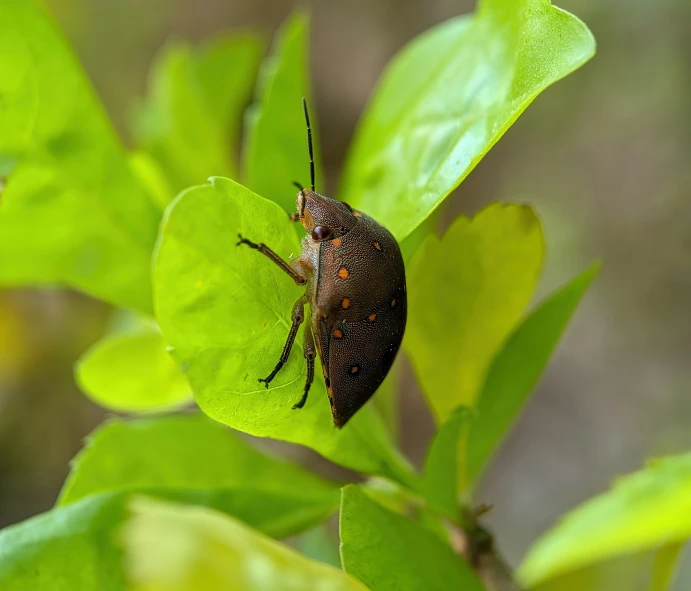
(132,372)
(441,475)
(77,547)
(447,98)
(192,456)
(275,152)
(190,121)
(467,292)
(73,213)
(665,567)
(642,511)
(171,547)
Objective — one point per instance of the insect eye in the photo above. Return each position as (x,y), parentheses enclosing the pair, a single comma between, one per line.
(321,233)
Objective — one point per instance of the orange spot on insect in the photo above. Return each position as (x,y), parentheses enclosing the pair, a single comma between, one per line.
(345,303)
(393,303)
(338,333)
(330,390)
(357,214)
(372,317)
(354,369)
(336,242)
(377,245)
(343,273)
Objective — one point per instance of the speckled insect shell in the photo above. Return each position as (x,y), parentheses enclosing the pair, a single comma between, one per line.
(353,272)
(357,293)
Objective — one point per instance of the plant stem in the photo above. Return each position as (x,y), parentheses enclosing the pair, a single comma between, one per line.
(476,545)
(495,573)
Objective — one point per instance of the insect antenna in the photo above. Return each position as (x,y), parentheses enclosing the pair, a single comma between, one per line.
(298,185)
(309,140)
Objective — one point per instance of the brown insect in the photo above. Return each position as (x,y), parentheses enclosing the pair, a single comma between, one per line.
(354,276)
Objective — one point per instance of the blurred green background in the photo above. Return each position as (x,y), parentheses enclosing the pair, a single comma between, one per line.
(603,156)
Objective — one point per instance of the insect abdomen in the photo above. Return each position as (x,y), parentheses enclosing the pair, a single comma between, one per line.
(361,287)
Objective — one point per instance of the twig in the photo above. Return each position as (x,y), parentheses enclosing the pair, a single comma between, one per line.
(476,545)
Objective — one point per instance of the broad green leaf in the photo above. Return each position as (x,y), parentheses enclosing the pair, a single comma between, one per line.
(190,122)
(192,454)
(467,292)
(447,98)
(179,451)
(441,466)
(227,66)
(76,547)
(225,312)
(643,510)
(73,212)
(388,551)
(132,373)
(275,153)
(517,367)
(66,548)
(176,548)
(404,501)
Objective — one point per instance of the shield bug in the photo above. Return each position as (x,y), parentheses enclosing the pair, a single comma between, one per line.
(354,277)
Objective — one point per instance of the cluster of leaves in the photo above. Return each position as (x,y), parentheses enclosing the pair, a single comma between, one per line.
(182,502)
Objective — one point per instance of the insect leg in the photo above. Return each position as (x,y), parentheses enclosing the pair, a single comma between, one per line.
(298,317)
(265,250)
(310,354)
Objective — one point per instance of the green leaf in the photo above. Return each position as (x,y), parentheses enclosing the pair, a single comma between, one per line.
(77,547)
(73,212)
(621,573)
(467,292)
(666,566)
(517,367)
(414,241)
(441,466)
(67,548)
(447,98)
(190,454)
(215,553)
(227,66)
(388,551)
(386,402)
(179,451)
(276,146)
(190,121)
(319,543)
(404,501)
(152,177)
(132,373)
(225,311)
(643,510)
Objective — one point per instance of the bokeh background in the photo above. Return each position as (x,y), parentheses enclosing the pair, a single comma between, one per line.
(604,156)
